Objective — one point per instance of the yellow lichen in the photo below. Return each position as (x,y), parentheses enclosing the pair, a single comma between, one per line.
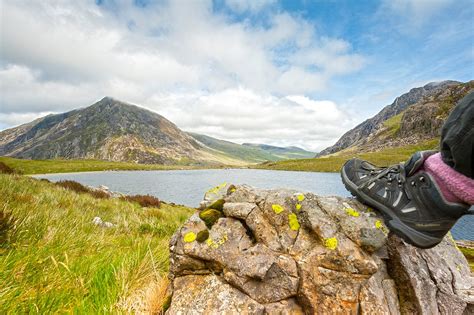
(378,224)
(298,207)
(277,208)
(352,212)
(216,189)
(189,237)
(210,242)
(217,242)
(330,243)
(300,197)
(233,189)
(293,222)
(369,209)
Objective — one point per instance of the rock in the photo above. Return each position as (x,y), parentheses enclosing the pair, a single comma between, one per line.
(286,252)
(98,221)
(210,294)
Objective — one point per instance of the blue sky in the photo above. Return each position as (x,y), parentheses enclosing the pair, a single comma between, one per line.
(279,72)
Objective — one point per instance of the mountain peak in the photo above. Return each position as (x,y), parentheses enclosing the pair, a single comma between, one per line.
(109,100)
(436,84)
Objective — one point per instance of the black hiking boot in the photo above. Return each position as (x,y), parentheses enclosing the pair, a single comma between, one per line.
(410,200)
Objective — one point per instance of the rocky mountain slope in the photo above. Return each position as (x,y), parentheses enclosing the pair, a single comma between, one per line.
(117,131)
(252,251)
(413,117)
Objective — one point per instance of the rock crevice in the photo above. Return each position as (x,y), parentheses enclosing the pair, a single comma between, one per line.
(255,251)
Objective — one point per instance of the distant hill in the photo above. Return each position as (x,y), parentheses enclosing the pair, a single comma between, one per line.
(252,152)
(117,131)
(282,153)
(412,118)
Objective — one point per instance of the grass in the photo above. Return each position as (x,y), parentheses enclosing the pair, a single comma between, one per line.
(54,260)
(334,163)
(469,253)
(69,166)
(393,125)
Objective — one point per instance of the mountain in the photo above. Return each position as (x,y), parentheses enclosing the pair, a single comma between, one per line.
(412,117)
(117,131)
(250,154)
(282,153)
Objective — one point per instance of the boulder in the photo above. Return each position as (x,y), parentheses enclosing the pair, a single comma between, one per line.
(289,252)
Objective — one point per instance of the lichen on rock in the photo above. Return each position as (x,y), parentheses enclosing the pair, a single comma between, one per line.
(252,251)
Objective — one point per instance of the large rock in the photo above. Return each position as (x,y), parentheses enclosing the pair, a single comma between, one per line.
(287,252)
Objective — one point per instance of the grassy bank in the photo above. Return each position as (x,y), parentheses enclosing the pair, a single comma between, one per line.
(54,260)
(469,253)
(334,163)
(69,166)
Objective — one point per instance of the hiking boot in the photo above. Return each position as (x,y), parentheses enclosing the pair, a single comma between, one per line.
(408,197)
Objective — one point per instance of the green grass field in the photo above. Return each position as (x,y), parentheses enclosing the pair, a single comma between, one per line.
(69,166)
(335,162)
(54,260)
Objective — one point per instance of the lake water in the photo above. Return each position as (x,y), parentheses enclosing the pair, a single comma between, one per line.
(187,187)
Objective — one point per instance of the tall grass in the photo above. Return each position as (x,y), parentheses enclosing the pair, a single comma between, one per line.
(59,262)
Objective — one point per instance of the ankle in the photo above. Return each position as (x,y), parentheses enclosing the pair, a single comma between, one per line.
(454,186)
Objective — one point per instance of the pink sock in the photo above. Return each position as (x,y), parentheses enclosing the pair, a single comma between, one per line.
(454,186)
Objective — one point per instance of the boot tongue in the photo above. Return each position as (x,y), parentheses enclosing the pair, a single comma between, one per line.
(416,161)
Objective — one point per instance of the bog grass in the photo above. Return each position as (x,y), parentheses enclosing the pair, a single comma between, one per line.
(68,166)
(334,163)
(54,260)
(469,253)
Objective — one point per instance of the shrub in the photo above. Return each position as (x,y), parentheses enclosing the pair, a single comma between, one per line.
(143,200)
(6,224)
(99,194)
(5,169)
(79,188)
(74,186)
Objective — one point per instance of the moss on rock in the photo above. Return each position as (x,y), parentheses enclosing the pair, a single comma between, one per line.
(217,205)
(202,236)
(210,216)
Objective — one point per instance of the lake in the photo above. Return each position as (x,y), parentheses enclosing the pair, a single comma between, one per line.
(187,187)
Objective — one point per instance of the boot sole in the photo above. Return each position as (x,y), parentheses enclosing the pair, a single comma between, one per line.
(395,225)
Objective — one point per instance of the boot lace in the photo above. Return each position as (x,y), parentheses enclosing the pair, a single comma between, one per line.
(391,173)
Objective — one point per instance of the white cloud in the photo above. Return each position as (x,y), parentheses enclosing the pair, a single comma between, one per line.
(59,55)
(412,14)
(241,114)
(253,6)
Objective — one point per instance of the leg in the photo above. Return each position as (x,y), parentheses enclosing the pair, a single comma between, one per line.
(457,137)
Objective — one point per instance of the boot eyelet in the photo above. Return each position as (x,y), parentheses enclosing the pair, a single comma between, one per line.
(422,179)
(412,183)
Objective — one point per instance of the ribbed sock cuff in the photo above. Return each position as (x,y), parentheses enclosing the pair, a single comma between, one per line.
(454,186)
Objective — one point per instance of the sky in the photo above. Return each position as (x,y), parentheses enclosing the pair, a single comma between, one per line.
(278,72)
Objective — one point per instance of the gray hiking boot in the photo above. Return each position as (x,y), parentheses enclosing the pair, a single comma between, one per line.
(409,198)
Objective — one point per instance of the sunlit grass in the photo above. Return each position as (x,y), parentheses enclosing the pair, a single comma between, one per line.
(334,163)
(56,261)
(469,253)
(68,166)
